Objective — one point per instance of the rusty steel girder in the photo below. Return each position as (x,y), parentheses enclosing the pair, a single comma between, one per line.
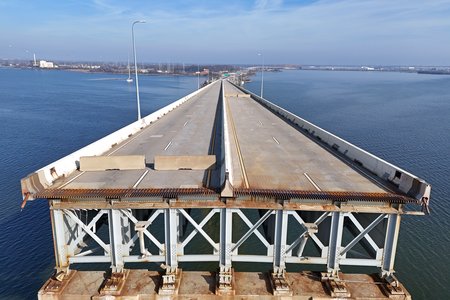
(324,195)
(170,193)
(252,194)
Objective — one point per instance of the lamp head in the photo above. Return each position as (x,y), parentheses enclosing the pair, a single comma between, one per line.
(139,21)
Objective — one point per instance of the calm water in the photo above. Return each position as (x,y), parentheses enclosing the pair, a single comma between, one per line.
(45,115)
(404,118)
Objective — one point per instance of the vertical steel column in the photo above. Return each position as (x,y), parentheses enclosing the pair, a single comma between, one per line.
(171,237)
(334,245)
(280,286)
(225,273)
(116,239)
(59,240)
(169,280)
(390,244)
(126,232)
(279,255)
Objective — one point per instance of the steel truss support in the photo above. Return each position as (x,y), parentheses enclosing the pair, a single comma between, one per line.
(119,236)
(225,282)
(364,233)
(390,247)
(59,241)
(279,283)
(334,245)
(72,227)
(390,244)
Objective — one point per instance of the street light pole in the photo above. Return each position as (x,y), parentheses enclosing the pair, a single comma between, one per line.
(135,68)
(262,74)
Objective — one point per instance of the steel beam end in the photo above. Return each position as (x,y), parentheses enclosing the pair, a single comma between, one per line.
(225,282)
(335,286)
(113,284)
(56,284)
(170,282)
(279,283)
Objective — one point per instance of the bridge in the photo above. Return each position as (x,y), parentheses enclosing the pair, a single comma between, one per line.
(218,179)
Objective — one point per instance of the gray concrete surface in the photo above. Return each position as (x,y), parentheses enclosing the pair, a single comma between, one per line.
(186,131)
(266,151)
(277,156)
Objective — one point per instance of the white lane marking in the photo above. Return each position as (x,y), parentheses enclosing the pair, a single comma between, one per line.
(140,179)
(156,136)
(261,123)
(185,123)
(168,145)
(71,180)
(276,141)
(130,140)
(312,182)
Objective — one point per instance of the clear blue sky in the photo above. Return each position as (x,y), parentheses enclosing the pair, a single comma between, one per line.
(406,32)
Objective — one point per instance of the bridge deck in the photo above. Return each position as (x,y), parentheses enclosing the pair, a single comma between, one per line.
(263,150)
(186,131)
(275,155)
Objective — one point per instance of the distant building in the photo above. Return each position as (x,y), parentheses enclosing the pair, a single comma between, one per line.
(46,64)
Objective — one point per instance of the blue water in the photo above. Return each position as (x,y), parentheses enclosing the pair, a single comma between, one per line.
(404,118)
(45,115)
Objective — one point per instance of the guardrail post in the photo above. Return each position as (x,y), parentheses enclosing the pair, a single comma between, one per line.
(225,278)
(278,281)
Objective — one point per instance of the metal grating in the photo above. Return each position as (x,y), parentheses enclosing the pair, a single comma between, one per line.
(324,196)
(123,193)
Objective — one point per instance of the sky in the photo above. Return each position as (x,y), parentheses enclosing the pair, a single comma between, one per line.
(340,32)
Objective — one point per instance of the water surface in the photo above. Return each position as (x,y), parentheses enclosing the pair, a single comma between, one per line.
(403,118)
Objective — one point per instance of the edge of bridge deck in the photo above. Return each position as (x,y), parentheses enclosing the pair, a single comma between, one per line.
(408,188)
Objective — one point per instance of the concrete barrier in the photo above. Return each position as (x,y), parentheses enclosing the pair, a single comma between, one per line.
(103,163)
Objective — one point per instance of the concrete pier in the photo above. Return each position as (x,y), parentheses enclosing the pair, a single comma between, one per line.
(142,284)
